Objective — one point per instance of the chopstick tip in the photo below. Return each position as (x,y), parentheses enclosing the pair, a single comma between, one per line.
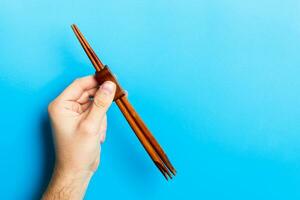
(73,26)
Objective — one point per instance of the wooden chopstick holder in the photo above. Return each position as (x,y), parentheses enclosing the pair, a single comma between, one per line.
(106,75)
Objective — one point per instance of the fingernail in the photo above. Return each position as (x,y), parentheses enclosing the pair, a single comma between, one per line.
(108,86)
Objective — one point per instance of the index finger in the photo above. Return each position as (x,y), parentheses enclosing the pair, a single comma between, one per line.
(74,91)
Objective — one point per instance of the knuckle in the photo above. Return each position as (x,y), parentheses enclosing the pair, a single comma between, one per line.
(52,107)
(76,81)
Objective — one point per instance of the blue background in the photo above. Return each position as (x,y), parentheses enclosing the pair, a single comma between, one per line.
(217,82)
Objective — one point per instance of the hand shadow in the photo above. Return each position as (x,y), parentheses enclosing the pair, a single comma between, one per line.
(48,155)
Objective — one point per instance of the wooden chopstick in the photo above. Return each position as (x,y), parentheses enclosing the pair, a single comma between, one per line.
(142,132)
(147,145)
(149,135)
(124,110)
(98,65)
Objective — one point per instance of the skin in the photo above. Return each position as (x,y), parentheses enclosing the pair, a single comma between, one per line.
(79,128)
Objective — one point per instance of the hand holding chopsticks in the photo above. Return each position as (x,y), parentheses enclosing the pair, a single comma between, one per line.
(136,123)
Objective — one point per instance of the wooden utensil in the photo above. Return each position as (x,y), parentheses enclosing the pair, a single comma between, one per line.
(140,129)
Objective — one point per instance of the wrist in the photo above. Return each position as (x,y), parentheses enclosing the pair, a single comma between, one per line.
(71,173)
(68,184)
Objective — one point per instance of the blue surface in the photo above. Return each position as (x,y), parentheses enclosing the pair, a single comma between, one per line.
(216,81)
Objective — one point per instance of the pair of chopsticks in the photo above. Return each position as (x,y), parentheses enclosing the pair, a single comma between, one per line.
(144,135)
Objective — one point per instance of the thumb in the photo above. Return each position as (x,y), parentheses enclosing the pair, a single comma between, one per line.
(102,100)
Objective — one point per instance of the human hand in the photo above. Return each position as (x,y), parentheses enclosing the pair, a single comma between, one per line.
(79,128)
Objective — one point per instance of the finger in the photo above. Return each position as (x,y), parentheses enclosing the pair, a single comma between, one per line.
(85,106)
(85,96)
(76,89)
(102,100)
(72,106)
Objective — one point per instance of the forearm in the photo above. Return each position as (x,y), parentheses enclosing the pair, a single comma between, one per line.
(67,185)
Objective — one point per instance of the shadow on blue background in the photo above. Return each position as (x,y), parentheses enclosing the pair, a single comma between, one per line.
(216,81)
(47,161)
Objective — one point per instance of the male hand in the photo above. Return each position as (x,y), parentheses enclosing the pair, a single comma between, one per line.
(79,128)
